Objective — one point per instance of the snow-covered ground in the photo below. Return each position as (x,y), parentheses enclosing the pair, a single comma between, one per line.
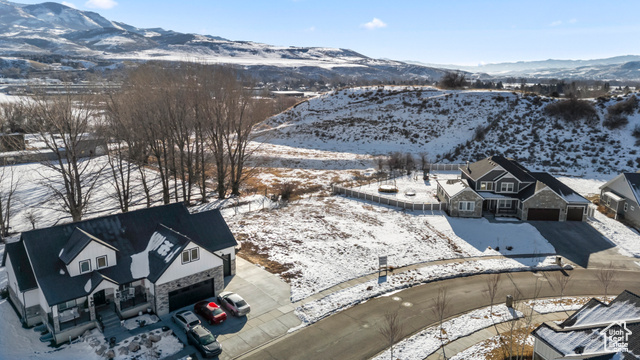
(426,342)
(545,306)
(480,350)
(346,298)
(328,240)
(424,190)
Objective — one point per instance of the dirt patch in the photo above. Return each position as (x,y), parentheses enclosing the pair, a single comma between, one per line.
(255,255)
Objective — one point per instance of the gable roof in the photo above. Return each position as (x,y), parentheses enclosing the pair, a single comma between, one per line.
(20,265)
(580,332)
(480,168)
(78,240)
(129,233)
(565,192)
(633,179)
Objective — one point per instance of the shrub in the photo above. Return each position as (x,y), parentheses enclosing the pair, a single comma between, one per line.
(614,121)
(626,107)
(4,292)
(480,132)
(636,132)
(572,110)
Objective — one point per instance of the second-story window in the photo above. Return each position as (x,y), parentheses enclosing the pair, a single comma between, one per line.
(506,187)
(190,255)
(101,262)
(486,185)
(85,266)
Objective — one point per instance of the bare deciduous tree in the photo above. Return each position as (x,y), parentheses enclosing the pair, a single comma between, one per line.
(391,330)
(9,183)
(606,278)
(440,310)
(63,123)
(492,284)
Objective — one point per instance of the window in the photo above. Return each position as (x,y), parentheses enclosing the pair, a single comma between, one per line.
(101,262)
(190,255)
(466,205)
(486,185)
(67,305)
(504,204)
(85,266)
(506,187)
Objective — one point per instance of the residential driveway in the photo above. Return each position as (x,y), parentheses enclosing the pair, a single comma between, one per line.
(580,243)
(271,313)
(270,318)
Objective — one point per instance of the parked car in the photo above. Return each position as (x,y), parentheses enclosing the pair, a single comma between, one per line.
(210,311)
(234,303)
(204,340)
(186,319)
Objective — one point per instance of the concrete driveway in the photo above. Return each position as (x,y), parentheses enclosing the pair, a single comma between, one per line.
(580,243)
(271,313)
(270,318)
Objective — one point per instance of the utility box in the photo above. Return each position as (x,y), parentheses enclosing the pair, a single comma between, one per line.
(559,260)
(509,301)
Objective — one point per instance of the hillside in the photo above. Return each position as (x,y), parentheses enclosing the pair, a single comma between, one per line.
(443,123)
(55,30)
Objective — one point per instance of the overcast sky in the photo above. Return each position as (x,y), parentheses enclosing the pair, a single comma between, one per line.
(445,32)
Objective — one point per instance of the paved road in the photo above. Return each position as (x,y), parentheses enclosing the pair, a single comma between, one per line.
(352,334)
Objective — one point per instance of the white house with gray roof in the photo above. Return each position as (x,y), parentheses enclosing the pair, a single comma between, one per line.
(621,196)
(71,276)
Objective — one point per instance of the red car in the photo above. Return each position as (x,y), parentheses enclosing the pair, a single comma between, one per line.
(210,311)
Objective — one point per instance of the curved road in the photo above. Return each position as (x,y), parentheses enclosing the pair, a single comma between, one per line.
(353,334)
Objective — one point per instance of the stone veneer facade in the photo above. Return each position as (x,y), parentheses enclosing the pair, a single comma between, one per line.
(162,291)
(545,199)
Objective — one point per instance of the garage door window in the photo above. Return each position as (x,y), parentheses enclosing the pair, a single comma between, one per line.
(190,255)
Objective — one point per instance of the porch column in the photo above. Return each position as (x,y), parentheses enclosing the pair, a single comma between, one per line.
(92,308)
(117,301)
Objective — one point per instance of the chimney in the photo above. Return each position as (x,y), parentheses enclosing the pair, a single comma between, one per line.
(467,165)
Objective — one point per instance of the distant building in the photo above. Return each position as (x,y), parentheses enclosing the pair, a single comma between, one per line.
(504,187)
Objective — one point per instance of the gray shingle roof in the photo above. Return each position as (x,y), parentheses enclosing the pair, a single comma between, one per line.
(634,182)
(480,168)
(20,265)
(129,233)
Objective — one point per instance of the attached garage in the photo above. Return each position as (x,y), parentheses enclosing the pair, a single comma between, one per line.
(543,214)
(191,294)
(575,213)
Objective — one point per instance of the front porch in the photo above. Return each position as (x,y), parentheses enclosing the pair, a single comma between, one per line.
(502,207)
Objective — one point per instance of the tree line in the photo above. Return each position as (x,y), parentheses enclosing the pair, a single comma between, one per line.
(191,127)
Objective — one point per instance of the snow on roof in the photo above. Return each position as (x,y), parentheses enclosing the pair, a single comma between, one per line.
(568,342)
(490,195)
(140,261)
(612,196)
(453,187)
(87,286)
(603,314)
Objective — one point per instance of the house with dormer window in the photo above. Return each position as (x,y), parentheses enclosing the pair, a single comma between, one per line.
(503,187)
(71,276)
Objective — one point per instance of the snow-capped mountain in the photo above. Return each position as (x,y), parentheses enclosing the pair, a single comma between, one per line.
(615,68)
(56,29)
(457,126)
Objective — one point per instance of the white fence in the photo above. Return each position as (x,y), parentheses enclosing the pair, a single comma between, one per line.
(388,201)
(445,167)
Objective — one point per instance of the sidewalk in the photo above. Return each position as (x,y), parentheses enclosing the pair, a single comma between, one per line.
(374,276)
(468,341)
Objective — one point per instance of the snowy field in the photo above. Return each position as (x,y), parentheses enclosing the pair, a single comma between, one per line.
(424,190)
(325,241)
(481,350)
(426,342)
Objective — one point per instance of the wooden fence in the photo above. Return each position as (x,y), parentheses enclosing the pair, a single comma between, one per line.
(388,201)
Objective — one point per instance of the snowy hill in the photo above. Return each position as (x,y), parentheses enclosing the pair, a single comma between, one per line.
(615,68)
(443,123)
(56,29)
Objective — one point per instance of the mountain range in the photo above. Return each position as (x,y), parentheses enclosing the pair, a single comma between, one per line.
(87,38)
